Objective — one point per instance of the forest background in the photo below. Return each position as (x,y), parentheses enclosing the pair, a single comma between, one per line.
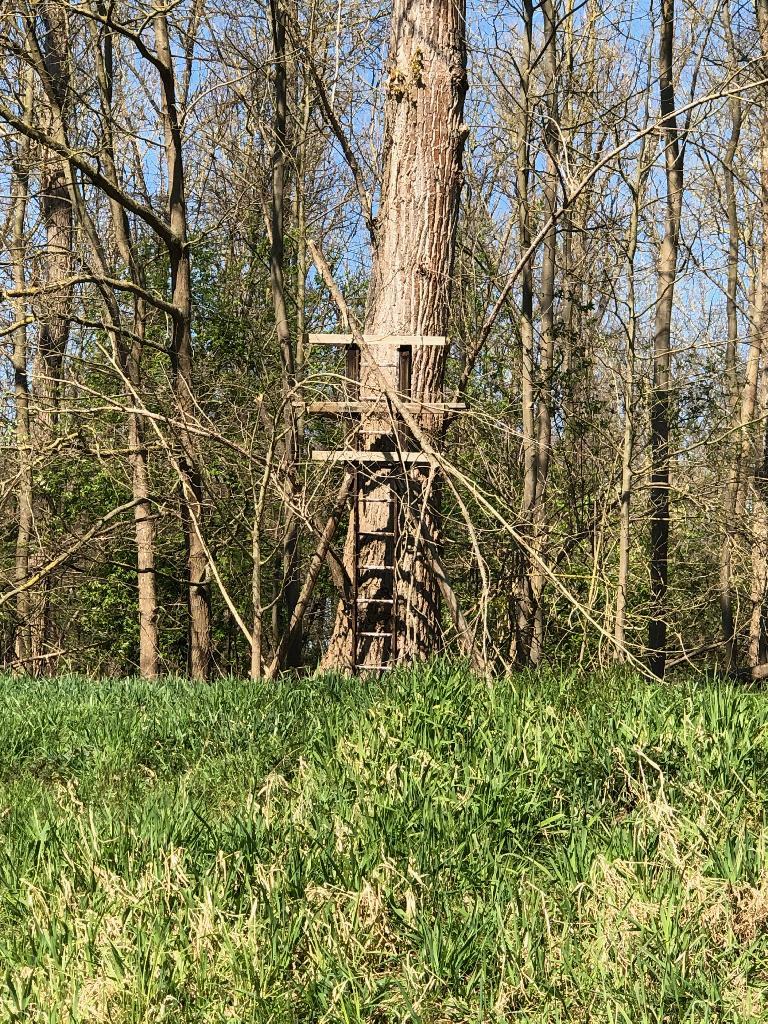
(187,192)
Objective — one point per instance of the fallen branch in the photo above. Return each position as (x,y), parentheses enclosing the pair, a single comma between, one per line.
(54,564)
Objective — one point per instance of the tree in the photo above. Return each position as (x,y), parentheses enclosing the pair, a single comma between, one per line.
(409,295)
(662,342)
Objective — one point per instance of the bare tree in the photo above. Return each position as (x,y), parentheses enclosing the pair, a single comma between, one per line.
(20,172)
(290,583)
(662,342)
(735,109)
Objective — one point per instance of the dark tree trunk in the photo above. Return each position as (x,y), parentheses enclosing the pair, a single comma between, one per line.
(660,398)
(189,460)
(290,578)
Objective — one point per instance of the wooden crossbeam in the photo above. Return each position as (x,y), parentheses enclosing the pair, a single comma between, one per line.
(396,340)
(354,408)
(386,458)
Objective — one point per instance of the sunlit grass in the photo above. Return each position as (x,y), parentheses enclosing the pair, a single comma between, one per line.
(428,848)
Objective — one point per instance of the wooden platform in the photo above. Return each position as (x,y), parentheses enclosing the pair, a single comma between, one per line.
(392,458)
(395,340)
(376,404)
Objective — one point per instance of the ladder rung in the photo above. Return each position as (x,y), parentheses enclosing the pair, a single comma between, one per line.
(375,600)
(380,636)
(378,568)
(376,533)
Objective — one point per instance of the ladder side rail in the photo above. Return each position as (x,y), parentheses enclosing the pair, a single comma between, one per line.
(355,568)
(395,574)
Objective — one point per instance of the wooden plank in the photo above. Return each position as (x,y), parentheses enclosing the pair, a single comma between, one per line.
(388,458)
(415,340)
(351,408)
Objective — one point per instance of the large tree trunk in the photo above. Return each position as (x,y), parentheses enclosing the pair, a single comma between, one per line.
(660,398)
(409,295)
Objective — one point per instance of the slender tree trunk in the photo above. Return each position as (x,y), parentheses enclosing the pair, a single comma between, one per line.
(525,602)
(731,368)
(144,526)
(130,355)
(756,452)
(748,475)
(301,231)
(628,441)
(290,579)
(192,509)
(295,647)
(19,200)
(547,292)
(54,321)
(758,623)
(192,505)
(257,631)
(660,398)
(409,295)
(57,218)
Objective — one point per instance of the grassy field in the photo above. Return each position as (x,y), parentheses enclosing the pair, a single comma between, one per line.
(429,848)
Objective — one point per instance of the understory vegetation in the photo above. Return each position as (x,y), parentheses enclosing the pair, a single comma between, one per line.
(428,847)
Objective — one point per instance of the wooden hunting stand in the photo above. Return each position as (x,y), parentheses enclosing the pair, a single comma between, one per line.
(382,456)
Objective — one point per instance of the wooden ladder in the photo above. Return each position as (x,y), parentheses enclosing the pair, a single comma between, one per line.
(379,478)
(375,618)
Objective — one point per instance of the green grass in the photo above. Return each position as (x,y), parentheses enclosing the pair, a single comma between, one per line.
(428,848)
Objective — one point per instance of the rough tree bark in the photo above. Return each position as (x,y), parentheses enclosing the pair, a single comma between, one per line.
(409,295)
(660,398)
